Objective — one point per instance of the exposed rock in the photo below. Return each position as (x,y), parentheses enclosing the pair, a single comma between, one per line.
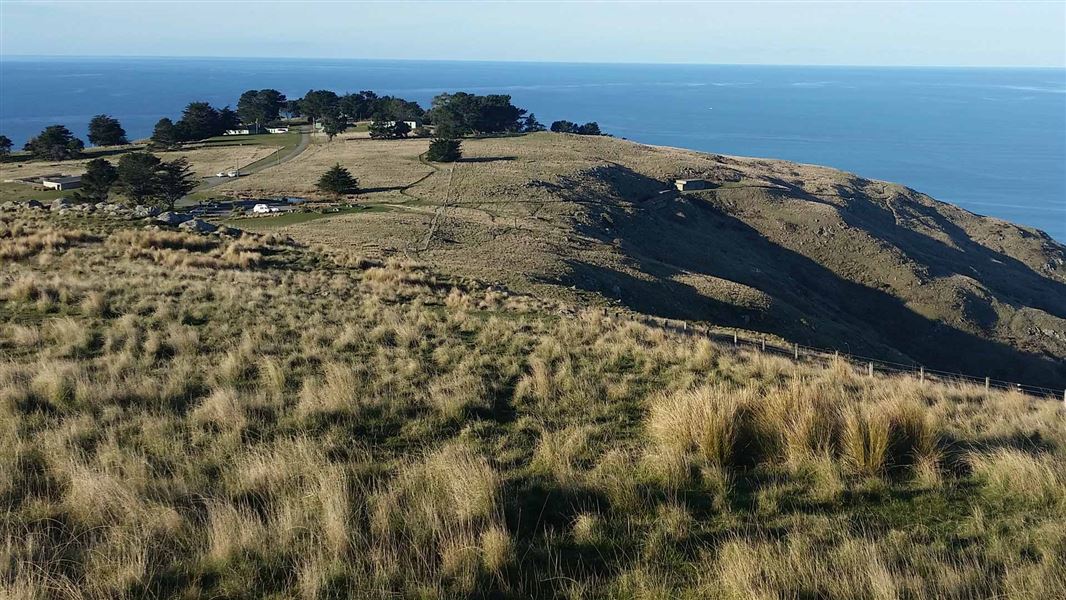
(142,212)
(34,204)
(9,205)
(60,204)
(198,226)
(172,218)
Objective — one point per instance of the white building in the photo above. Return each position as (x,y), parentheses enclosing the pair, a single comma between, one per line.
(245,130)
(61,183)
(277,130)
(684,185)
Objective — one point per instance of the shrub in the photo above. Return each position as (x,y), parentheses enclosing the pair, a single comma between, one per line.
(444,150)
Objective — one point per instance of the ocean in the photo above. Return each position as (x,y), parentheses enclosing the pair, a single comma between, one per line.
(990,140)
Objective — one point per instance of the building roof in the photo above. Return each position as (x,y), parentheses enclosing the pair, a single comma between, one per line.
(64,179)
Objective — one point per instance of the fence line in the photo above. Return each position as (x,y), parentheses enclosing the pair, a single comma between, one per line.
(869,364)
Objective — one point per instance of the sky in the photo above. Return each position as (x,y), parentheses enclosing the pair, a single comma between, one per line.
(957,33)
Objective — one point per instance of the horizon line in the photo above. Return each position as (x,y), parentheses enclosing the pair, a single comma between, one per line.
(4,56)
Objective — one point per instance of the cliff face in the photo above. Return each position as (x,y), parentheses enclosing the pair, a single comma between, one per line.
(810,253)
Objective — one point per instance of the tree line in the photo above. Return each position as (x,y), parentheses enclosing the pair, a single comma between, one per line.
(453,116)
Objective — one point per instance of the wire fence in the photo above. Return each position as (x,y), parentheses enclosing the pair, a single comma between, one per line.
(735,338)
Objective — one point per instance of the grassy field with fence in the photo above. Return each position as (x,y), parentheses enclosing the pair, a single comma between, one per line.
(189,416)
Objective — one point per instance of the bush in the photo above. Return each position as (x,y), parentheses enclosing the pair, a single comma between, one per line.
(444,150)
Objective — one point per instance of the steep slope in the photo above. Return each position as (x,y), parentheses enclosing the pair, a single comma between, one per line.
(810,253)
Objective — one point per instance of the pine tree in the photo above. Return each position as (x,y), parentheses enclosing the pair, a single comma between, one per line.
(444,150)
(338,181)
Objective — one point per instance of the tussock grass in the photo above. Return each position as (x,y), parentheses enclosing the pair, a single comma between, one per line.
(321,427)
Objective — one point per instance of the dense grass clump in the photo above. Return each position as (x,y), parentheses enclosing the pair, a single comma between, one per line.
(312,426)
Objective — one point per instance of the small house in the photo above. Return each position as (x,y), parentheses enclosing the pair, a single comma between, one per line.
(252,129)
(61,183)
(413,124)
(278,129)
(687,185)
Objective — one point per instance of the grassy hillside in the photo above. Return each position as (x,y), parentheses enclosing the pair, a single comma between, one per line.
(812,254)
(187,416)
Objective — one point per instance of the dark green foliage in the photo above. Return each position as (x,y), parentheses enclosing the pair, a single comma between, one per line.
(316,104)
(462,114)
(260,106)
(174,180)
(96,183)
(384,130)
(531,124)
(106,131)
(444,150)
(332,124)
(5,145)
(56,142)
(199,121)
(227,119)
(144,179)
(165,133)
(338,181)
(590,128)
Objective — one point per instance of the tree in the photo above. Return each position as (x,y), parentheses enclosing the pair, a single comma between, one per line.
(174,180)
(444,150)
(400,129)
(137,179)
(106,131)
(332,124)
(199,121)
(56,142)
(318,103)
(531,124)
(144,179)
(5,145)
(462,113)
(166,133)
(227,119)
(96,183)
(590,128)
(381,129)
(338,181)
(260,106)
(564,127)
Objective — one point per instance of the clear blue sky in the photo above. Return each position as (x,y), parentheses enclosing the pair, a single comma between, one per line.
(856,33)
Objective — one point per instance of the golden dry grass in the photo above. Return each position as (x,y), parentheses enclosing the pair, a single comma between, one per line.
(317,425)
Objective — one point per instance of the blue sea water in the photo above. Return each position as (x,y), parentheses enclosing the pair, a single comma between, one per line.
(990,140)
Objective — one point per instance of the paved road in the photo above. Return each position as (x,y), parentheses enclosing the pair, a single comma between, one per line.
(274,160)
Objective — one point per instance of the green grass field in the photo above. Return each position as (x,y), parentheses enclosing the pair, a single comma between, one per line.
(19,191)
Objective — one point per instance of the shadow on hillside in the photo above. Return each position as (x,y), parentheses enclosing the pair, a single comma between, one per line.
(811,303)
(1010,280)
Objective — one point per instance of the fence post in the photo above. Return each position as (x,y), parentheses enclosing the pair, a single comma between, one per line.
(988,383)
(796,351)
(734,339)
(764,350)
(870,369)
(921,374)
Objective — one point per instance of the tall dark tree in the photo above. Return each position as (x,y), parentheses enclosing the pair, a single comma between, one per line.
(227,119)
(137,177)
(97,180)
(260,106)
(444,150)
(338,181)
(106,131)
(358,107)
(531,124)
(318,103)
(333,124)
(174,180)
(166,133)
(56,142)
(5,145)
(199,121)
(400,129)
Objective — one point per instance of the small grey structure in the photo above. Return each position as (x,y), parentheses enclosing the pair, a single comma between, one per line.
(685,185)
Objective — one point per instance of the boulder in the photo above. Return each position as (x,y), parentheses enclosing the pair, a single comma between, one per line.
(198,226)
(172,218)
(33,204)
(142,212)
(9,205)
(60,204)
